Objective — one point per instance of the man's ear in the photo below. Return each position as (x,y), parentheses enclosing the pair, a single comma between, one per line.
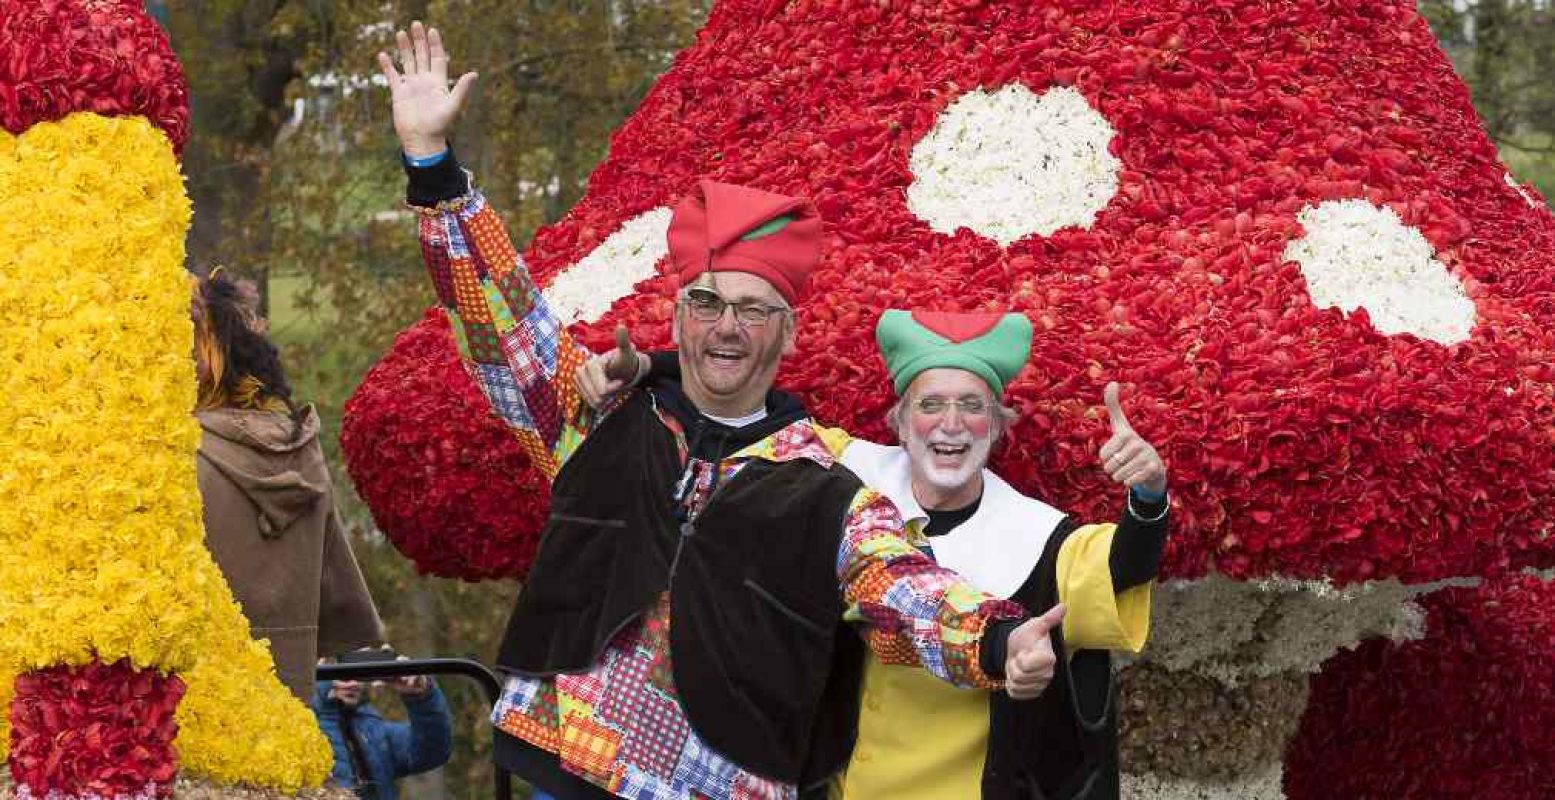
(675,327)
(789,335)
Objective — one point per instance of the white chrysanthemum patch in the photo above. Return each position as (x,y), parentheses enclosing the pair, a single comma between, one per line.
(1527,198)
(1355,254)
(584,291)
(1009,164)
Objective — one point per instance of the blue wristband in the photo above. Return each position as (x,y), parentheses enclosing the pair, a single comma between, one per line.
(1144,495)
(425,161)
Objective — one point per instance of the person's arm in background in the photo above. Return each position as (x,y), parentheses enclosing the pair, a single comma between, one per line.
(512,344)
(426,740)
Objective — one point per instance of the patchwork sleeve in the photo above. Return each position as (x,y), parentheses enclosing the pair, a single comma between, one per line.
(511,342)
(914,611)
(1098,617)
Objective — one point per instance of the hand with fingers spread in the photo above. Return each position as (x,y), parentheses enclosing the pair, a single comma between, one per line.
(1030,660)
(608,373)
(425,106)
(1127,457)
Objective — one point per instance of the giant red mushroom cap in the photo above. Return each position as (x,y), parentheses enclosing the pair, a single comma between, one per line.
(108,57)
(1321,420)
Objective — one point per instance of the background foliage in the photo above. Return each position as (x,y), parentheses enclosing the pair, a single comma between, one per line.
(292,169)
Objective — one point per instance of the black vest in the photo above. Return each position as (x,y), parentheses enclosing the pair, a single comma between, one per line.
(1064,744)
(766,671)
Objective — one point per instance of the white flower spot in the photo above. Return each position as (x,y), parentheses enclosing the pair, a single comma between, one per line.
(1009,164)
(584,291)
(1355,254)
(1527,198)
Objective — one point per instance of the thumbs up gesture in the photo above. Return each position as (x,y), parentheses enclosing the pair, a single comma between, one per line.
(1127,457)
(608,373)
(1029,664)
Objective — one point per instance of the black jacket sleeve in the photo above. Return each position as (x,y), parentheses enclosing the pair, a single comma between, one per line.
(441,182)
(1138,543)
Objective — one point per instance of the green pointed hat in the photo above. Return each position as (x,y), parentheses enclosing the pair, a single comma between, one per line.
(991,346)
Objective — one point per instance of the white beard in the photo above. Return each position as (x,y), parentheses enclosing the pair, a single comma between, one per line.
(947,478)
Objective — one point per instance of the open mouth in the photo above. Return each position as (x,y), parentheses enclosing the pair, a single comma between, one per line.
(725,357)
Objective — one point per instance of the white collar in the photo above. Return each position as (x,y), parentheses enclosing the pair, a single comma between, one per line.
(996,549)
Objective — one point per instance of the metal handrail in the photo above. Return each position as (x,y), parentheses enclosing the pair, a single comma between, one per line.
(474,670)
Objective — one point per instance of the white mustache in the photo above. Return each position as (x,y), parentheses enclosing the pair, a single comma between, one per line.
(964,440)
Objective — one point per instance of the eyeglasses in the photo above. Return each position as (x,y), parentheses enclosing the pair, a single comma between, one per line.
(706,306)
(934,405)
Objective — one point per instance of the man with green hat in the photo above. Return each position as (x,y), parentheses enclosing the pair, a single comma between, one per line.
(949,372)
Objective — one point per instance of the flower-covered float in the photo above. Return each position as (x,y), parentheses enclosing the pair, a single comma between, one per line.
(1280,222)
(123,657)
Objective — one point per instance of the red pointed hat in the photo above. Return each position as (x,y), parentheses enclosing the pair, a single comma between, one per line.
(721,227)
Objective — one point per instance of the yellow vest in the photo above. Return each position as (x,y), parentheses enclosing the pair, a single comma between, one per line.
(930,744)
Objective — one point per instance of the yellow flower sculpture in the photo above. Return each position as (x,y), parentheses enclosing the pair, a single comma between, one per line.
(102,554)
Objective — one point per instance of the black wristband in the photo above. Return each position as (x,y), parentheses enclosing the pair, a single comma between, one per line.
(427,186)
(994,648)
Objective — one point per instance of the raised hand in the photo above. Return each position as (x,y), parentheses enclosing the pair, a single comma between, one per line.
(1127,457)
(1030,661)
(425,107)
(608,373)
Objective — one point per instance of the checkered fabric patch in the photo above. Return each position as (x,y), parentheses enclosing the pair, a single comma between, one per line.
(871,583)
(799,440)
(627,677)
(485,346)
(467,292)
(453,234)
(517,290)
(439,267)
(705,771)
(544,333)
(530,730)
(519,693)
(516,351)
(917,599)
(540,398)
(638,785)
(891,648)
(502,392)
(491,240)
(587,689)
(656,731)
(500,315)
(589,746)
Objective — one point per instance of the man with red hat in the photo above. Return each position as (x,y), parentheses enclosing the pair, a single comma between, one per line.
(949,372)
(689,627)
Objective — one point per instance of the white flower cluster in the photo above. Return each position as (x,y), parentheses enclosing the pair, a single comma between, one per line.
(584,291)
(1355,254)
(1009,164)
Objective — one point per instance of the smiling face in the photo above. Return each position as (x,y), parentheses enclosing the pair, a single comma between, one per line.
(728,366)
(947,444)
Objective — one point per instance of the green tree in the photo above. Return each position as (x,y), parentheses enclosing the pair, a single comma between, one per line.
(1505,50)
